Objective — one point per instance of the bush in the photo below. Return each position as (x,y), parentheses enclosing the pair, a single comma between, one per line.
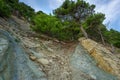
(112,37)
(4,9)
(54,27)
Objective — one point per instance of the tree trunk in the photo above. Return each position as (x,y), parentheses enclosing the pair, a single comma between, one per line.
(113,48)
(103,41)
(84,32)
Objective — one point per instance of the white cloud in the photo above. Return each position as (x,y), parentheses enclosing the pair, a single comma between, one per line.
(110,8)
(56,3)
(53,4)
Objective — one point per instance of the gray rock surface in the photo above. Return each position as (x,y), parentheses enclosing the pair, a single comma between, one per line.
(14,63)
(81,61)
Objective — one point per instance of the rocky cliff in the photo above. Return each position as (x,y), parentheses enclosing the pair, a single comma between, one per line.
(26,55)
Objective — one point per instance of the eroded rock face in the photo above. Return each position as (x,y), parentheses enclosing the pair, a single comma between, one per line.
(81,61)
(104,58)
(14,63)
(45,60)
(3,47)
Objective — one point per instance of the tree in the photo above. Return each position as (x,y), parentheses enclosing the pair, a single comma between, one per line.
(94,23)
(75,11)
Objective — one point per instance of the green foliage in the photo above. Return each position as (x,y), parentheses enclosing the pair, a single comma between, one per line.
(8,7)
(25,11)
(112,37)
(94,21)
(4,9)
(77,11)
(12,3)
(52,26)
(93,25)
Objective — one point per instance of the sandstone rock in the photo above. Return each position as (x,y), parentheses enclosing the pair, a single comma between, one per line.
(105,59)
(36,38)
(43,61)
(33,58)
(49,49)
(56,40)
(63,42)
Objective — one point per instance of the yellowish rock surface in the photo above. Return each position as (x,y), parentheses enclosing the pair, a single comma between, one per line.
(105,59)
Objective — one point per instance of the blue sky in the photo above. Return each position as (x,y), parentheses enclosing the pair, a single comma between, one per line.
(111,8)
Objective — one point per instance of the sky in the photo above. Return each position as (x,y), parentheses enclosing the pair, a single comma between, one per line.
(111,9)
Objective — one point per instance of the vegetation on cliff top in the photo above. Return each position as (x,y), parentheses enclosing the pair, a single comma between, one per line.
(9,7)
(69,22)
